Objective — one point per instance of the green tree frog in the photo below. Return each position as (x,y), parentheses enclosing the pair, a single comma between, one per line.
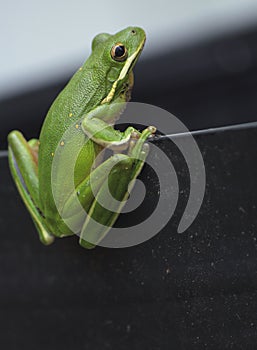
(88,106)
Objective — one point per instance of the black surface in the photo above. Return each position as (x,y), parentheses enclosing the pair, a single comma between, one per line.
(195,290)
(208,84)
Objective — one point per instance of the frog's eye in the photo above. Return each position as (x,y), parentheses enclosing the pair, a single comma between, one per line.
(119,52)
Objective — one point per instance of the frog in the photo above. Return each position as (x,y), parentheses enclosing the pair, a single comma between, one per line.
(87,107)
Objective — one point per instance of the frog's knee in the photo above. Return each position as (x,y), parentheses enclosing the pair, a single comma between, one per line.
(15,137)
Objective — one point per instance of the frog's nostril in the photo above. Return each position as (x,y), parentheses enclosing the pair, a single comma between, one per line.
(133,31)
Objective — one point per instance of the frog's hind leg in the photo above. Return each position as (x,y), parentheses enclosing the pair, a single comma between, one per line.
(118,183)
(24,168)
(82,210)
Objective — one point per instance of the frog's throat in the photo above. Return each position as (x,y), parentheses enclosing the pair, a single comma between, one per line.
(122,75)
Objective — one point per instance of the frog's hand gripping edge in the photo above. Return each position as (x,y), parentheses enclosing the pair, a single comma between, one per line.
(23,168)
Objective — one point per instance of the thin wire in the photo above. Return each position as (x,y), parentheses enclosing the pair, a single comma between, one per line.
(208,131)
(193,133)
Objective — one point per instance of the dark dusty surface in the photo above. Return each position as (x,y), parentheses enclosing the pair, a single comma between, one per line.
(195,290)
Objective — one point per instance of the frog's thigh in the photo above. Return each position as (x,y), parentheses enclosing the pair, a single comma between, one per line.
(23,165)
(119,178)
(82,198)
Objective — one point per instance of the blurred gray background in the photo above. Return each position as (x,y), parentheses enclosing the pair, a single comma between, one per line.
(42,41)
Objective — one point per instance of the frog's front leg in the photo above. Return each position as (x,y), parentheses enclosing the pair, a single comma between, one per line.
(24,168)
(98,126)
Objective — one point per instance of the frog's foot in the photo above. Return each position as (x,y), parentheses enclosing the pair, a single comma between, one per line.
(148,133)
(137,140)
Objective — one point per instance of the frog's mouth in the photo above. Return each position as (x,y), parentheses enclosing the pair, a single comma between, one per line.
(130,62)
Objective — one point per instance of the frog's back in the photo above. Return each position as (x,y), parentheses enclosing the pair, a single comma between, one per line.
(78,97)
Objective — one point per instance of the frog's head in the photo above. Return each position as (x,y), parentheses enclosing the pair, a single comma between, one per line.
(117,55)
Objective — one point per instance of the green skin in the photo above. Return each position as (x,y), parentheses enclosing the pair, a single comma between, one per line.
(86,107)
